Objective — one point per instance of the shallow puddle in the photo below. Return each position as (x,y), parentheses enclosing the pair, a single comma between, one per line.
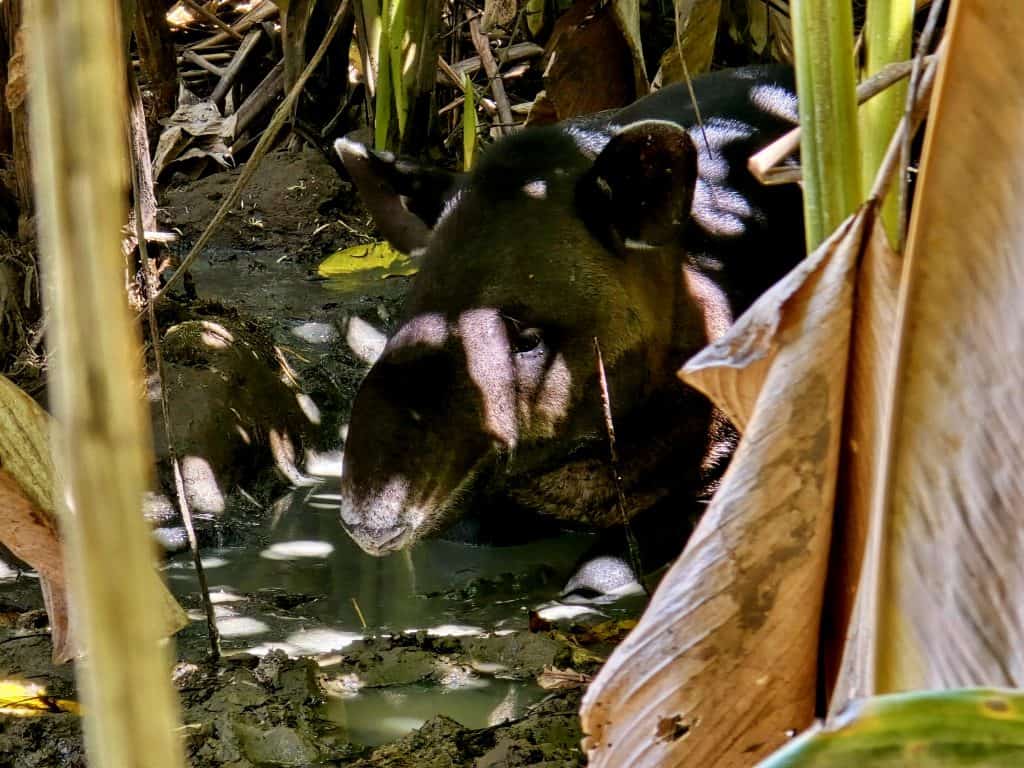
(315,588)
(307,589)
(379,715)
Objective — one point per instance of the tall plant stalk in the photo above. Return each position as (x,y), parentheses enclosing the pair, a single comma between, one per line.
(823,48)
(102,442)
(887,33)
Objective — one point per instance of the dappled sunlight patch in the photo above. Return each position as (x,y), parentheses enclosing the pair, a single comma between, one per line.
(30,700)
(365,341)
(204,493)
(220,596)
(354,269)
(7,573)
(562,611)
(455,630)
(321,640)
(264,648)
(315,332)
(322,500)
(324,464)
(240,626)
(309,408)
(215,335)
(296,550)
(209,563)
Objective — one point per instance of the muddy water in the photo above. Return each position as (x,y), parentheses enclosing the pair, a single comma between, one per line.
(307,589)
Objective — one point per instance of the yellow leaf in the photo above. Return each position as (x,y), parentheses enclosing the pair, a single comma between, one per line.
(378,260)
(29,700)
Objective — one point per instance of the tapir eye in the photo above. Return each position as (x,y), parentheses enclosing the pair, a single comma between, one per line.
(525,339)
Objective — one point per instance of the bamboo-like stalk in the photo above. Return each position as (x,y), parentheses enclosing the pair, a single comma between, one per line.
(887,33)
(823,48)
(382,105)
(468,124)
(102,442)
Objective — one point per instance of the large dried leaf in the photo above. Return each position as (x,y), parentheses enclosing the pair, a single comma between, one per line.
(939,603)
(722,662)
(873,323)
(28,521)
(697,30)
(597,38)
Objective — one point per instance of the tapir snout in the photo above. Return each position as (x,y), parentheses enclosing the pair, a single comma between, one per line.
(446,386)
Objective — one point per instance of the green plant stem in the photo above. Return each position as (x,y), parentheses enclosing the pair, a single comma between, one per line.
(823,47)
(888,38)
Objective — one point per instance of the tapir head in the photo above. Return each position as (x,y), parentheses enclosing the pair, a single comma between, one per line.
(556,239)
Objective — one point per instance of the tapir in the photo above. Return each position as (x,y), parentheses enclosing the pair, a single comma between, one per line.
(637,234)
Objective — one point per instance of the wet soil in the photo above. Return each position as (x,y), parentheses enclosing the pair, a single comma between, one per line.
(431,658)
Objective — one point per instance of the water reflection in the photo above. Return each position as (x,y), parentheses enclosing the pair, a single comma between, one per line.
(307,570)
(379,715)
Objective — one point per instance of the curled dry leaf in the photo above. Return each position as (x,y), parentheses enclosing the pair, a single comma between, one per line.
(870,358)
(697,30)
(601,39)
(28,522)
(724,653)
(939,601)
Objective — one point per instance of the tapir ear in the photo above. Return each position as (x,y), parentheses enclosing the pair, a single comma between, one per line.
(404,197)
(640,188)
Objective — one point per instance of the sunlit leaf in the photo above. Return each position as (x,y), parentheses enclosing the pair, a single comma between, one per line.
(30,700)
(976,727)
(378,258)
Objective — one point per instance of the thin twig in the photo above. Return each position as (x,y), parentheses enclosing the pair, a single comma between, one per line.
(620,496)
(279,118)
(359,613)
(907,127)
(165,412)
(483,47)
(211,17)
(923,44)
(762,165)
(265,11)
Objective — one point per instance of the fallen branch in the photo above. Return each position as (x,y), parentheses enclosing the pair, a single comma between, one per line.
(262,12)
(202,63)
(211,17)
(483,47)
(230,73)
(261,98)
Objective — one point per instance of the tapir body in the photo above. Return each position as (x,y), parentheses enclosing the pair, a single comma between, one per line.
(641,235)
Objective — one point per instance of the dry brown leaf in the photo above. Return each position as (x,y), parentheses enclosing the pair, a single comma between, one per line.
(588,38)
(873,323)
(697,29)
(28,522)
(722,663)
(940,603)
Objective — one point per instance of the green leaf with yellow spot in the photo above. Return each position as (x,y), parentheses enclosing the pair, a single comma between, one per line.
(976,727)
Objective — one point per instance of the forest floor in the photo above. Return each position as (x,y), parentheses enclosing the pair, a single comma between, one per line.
(307,679)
